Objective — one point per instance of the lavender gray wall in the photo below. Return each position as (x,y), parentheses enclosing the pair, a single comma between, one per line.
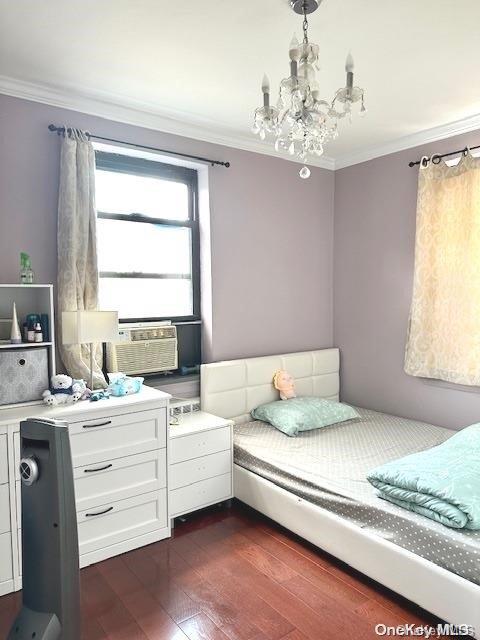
(271,232)
(374,239)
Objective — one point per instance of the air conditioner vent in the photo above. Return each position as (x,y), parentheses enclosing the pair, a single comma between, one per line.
(148,350)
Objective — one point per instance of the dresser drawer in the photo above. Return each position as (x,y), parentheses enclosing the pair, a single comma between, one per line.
(117,436)
(3,460)
(120,521)
(185,473)
(199,444)
(200,494)
(6,565)
(120,478)
(4,508)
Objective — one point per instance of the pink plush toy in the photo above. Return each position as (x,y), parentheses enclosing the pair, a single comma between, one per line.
(285,383)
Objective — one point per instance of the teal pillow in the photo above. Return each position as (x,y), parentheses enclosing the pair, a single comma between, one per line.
(303,414)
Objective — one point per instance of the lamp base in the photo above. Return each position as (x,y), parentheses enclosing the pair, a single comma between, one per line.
(91,366)
(309,5)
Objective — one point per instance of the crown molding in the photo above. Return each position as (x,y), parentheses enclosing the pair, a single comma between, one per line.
(134,112)
(143,114)
(426,136)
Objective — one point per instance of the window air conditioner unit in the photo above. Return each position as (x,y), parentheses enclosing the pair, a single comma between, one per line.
(144,348)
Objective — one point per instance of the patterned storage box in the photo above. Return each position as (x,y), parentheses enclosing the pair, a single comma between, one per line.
(23,374)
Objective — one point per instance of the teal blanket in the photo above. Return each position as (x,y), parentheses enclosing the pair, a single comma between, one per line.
(442,483)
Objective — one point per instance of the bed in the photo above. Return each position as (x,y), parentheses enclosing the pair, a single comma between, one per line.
(307,485)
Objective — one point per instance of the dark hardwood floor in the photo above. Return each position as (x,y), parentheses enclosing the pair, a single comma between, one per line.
(230,574)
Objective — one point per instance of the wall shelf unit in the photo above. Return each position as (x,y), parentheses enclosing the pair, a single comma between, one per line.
(29,298)
(25,345)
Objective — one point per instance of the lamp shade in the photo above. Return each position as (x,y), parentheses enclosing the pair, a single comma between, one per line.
(81,327)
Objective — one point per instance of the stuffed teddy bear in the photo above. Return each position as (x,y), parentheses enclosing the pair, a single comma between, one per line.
(61,391)
(80,386)
(285,383)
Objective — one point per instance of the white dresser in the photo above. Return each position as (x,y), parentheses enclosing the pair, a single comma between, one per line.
(119,453)
(200,462)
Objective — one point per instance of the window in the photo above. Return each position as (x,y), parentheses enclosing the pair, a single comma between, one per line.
(148,238)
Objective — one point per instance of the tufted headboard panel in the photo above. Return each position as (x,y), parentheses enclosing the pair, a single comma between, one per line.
(231,389)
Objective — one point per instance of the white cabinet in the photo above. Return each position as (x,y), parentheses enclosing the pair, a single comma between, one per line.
(3,459)
(6,546)
(114,436)
(119,455)
(118,522)
(200,494)
(199,444)
(200,462)
(121,478)
(6,563)
(4,508)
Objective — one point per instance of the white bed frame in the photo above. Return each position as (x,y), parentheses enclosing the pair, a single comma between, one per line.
(231,390)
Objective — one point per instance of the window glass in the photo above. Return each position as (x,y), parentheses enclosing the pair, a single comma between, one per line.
(137,247)
(126,193)
(146,298)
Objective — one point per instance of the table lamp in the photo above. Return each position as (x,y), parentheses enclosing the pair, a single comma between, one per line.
(89,327)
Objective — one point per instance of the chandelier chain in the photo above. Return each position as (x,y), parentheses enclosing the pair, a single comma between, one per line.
(305,24)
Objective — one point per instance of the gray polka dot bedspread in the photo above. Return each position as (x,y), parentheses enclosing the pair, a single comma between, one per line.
(329,466)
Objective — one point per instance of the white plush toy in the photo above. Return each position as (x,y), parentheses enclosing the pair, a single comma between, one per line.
(80,386)
(61,391)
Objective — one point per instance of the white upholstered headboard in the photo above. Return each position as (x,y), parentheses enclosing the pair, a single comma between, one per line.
(231,389)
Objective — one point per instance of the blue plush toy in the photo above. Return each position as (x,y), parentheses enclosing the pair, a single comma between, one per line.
(99,395)
(123,385)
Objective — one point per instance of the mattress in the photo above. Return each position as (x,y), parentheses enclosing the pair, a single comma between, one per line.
(328,467)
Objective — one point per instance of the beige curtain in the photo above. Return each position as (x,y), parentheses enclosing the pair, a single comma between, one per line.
(444,333)
(77,248)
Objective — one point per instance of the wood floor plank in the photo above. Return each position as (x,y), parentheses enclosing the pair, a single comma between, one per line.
(266,563)
(226,614)
(200,627)
(158,631)
(118,624)
(375,613)
(295,635)
(210,566)
(296,612)
(119,577)
(176,603)
(317,574)
(91,629)
(335,618)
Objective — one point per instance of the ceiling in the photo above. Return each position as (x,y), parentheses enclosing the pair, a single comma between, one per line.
(196,67)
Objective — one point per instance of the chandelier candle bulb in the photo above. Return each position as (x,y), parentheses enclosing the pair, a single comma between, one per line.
(266,91)
(294,53)
(294,50)
(349,65)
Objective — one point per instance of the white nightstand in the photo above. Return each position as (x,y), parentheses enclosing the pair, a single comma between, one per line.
(200,462)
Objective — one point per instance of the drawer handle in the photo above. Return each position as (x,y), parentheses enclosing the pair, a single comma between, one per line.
(107,466)
(99,424)
(99,513)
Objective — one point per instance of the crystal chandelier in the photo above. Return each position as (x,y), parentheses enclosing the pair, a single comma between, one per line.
(302,122)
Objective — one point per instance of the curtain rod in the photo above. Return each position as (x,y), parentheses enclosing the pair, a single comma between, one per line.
(436,157)
(61,131)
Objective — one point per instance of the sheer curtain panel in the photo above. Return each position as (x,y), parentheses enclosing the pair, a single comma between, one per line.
(77,247)
(444,330)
